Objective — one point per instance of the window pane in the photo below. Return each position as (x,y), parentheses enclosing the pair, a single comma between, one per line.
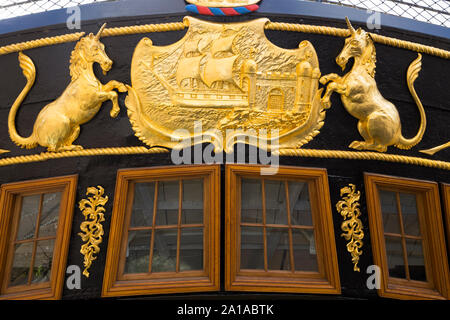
(275,193)
(252,248)
(50,213)
(305,256)
(415,260)
(389,211)
(409,214)
(192,205)
(167,213)
(251,204)
(278,249)
(21,263)
(144,198)
(165,250)
(28,217)
(138,251)
(299,203)
(43,261)
(396,264)
(191,249)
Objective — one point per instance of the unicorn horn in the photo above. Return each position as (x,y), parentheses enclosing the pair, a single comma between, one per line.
(349,25)
(99,33)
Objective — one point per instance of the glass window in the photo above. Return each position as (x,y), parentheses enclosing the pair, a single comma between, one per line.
(39,213)
(408,237)
(168,231)
(279,231)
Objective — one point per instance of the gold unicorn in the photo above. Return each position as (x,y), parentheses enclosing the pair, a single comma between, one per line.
(58,124)
(379,121)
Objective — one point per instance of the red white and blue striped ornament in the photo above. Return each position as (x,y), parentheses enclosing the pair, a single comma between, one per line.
(221,11)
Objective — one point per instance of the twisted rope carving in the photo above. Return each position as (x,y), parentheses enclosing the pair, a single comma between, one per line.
(108,32)
(17,47)
(305,28)
(146,28)
(353,155)
(307,153)
(339,32)
(80,153)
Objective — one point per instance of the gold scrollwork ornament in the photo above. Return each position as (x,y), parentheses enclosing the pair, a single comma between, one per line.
(379,121)
(348,207)
(92,228)
(57,125)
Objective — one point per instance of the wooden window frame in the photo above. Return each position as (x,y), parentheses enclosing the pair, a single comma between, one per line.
(445,188)
(115,284)
(326,281)
(9,221)
(431,227)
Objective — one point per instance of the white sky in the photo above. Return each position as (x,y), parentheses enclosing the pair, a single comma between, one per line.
(14,8)
(404,10)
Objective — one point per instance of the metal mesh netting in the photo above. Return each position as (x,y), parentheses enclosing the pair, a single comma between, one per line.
(431,11)
(15,8)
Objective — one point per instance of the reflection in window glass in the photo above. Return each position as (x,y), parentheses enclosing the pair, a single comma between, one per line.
(43,261)
(305,256)
(300,206)
(138,251)
(168,199)
(252,248)
(278,249)
(191,249)
(165,251)
(35,244)
(251,208)
(276,211)
(289,246)
(144,195)
(21,264)
(28,217)
(192,205)
(394,252)
(169,245)
(389,210)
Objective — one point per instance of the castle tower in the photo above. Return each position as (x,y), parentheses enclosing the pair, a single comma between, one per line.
(248,73)
(303,93)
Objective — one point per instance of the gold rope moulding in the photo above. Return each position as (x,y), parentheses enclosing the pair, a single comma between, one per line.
(174,26)
(339,32)
(305,153)
(80,153)
(364,155)
(108,32)
(43,42)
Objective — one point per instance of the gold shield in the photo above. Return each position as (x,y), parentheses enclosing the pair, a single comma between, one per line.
(225,83)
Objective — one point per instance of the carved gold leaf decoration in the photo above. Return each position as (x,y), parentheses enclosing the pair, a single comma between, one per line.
(92,229)
(348,207)
(232,80)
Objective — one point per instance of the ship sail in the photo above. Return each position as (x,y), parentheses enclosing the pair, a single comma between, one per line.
(224,44)
(219,70)
(188,68)
(191,48)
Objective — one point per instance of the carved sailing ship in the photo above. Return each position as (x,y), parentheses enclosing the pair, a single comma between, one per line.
(205,85)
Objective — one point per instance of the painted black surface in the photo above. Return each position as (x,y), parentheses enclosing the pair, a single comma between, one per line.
(339,130)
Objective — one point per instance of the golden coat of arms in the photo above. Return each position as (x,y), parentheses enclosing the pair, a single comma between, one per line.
(232,79)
